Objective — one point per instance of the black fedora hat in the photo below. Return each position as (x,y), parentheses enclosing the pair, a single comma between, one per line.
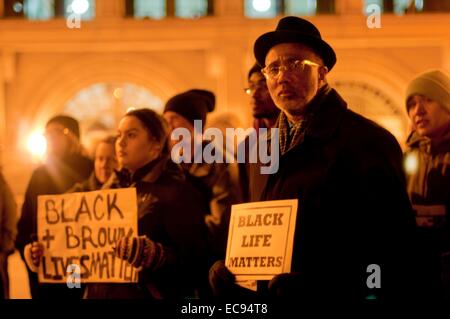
(294,30)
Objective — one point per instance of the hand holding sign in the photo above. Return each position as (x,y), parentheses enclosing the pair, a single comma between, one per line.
(260,239)
(140,252)
(32,254)
(80,229)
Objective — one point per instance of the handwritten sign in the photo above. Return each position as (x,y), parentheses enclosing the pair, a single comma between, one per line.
(260,239)
(80,229)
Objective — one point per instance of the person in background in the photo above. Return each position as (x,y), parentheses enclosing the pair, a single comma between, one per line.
(265,112)
(213,180)
(265,115)
(427,164)
(8,232)
(65,165)
(105,162)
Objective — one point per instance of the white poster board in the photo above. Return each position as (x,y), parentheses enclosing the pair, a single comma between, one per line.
(260,239)
(80,229)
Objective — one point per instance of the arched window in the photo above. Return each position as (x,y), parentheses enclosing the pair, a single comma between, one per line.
(100,106)
(273,8)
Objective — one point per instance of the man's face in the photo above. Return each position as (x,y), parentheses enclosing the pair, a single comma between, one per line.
(260,100)
(58,143)
(293,90)
(175,121)
(428,117)
(105,161)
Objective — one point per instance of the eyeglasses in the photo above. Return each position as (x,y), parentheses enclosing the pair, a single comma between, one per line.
(252,89)
(273,70)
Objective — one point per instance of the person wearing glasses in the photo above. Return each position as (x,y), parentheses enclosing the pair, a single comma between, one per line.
(265,112)
(354,215)
(65,165)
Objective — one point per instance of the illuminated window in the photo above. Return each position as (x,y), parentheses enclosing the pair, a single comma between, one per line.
(301,8)
(99,107)
(39,9)
(262,8)
(155,9)
(398,7)
(158,9)
(378,3)
(49,9)
(191,8)
(85,8)
(272,8)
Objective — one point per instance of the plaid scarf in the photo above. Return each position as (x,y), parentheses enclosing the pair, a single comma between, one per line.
(290,135)
(294,134)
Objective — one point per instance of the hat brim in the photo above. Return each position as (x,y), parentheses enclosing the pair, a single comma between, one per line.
(266,41)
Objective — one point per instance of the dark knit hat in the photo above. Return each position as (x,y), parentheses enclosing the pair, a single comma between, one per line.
(192,105)
(255,68)
(294,30)
(68,122)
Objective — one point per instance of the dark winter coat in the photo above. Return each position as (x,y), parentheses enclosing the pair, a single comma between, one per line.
(169,213)
(428,179)
(55,177)
(353,210)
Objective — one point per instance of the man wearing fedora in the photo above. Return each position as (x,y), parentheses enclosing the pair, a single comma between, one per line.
(354,215)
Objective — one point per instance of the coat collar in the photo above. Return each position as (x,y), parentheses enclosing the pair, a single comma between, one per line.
(327,110)
(427,145)
(149,173)
(325,114)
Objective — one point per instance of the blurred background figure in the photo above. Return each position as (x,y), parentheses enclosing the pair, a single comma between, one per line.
(8,231)
(65,165)
(105,162)
(265,115)
(265,112)
(213,180)
(427,163)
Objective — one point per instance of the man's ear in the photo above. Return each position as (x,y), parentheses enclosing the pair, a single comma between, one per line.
(323,71)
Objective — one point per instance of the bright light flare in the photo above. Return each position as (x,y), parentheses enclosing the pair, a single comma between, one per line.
(261,5)
(80,6)
(37,145)
(411,163)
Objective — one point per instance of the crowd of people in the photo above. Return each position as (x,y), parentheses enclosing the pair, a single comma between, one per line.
(359,204)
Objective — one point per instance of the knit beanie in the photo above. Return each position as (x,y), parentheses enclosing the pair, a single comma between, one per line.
(192,105)
(68,122)
(433,84)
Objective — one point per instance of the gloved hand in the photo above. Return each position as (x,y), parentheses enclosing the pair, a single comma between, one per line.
(32,253)
(286,285)
(141,252)
(221,280)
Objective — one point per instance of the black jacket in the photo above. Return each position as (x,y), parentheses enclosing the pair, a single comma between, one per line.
(55,177)
(168,213)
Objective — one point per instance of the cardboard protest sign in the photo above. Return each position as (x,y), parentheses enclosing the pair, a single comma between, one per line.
(80,229)
(260,239)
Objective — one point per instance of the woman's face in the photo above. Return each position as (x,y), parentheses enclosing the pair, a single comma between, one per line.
(134,146)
